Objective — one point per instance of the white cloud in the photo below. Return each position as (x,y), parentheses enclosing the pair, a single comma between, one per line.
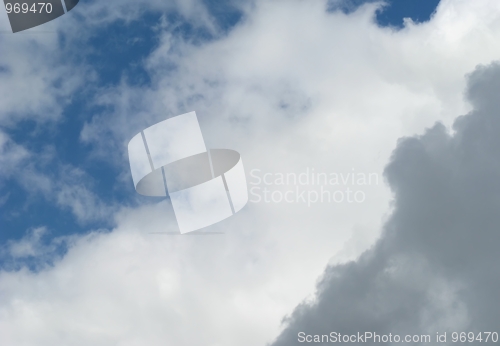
(175,289)
(290,87)
(74,192)
(32,245)
(35,82)
(69,188)
(12,156)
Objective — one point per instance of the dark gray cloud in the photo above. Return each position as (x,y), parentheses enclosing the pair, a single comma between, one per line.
(436,268)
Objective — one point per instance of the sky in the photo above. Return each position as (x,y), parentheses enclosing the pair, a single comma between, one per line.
(403,92)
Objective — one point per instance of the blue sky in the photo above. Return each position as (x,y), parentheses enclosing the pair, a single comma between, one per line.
(396,10)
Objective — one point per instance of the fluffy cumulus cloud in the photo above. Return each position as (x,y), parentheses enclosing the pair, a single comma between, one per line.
(292,87)
(435,267)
